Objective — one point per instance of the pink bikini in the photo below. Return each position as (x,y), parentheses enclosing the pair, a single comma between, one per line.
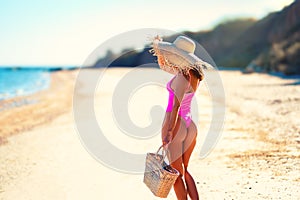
(185,106)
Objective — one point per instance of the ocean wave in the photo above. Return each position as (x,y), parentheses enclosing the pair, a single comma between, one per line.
(22,82)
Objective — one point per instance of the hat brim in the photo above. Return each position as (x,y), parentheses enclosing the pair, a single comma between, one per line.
(177,59)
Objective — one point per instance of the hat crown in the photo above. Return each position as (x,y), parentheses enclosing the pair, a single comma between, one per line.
(185,44)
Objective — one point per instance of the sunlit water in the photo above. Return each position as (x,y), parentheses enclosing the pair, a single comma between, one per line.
(22,82)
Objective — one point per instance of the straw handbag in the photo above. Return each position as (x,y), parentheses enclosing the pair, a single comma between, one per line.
(158,176)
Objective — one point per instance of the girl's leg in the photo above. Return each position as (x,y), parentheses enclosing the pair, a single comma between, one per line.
(179,186)
(176,151)
(188,146)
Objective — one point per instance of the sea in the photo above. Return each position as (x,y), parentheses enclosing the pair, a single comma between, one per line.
(23,81)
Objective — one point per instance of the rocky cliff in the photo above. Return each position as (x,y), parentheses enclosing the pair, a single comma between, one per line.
(269,44)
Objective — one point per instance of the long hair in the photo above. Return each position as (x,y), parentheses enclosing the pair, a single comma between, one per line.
(197,72)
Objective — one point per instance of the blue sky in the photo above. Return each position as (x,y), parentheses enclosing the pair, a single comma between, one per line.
(65,32)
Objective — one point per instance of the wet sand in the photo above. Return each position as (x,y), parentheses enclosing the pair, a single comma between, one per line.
(257,156)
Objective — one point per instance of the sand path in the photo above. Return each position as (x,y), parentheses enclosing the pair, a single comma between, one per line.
(49,162)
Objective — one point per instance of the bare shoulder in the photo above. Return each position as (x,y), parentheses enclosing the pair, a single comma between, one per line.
(180,83)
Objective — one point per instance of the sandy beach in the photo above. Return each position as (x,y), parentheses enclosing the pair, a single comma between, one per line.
(22,113)
(257,156)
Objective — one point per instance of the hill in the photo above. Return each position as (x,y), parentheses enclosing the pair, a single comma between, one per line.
(271,44)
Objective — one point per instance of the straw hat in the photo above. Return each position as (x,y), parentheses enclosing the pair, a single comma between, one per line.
(178,56)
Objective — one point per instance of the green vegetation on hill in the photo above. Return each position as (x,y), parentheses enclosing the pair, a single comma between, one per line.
(269,44)
(220,40)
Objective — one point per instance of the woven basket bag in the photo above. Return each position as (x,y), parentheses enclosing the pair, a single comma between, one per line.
(158,176)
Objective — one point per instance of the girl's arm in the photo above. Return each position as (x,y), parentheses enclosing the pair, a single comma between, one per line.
(179,90)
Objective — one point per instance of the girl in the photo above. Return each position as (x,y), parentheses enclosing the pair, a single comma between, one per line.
(179,132)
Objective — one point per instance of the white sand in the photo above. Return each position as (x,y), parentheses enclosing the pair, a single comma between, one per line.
(49,162)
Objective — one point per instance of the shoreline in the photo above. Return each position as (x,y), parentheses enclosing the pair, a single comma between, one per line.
(24,113)
(43,108)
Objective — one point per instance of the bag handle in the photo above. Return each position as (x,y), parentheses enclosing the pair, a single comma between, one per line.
(165,152)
